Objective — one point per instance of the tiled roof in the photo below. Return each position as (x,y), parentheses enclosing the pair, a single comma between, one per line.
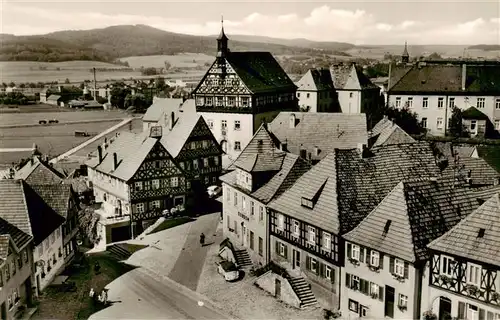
(260,154)
(39,172)
(160,107)
(447,78)
(19,237)
(322,178)
(393,135)
(57,196)
(380,126)
(350,78)
(467,241)
(22,207)
(338,130)
(316,80)
(173,140)
(340,74)
(54,97)
(292,168)
(397,72)
(364,182)
(413,214)
(260,72)
(474,114)
(481,173)
(4,246)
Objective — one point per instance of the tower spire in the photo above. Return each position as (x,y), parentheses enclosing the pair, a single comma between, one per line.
(405,57)
(222,48)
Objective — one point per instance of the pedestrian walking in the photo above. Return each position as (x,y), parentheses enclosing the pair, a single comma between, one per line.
(202,239)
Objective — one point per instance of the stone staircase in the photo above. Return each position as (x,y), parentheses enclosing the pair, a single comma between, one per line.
(118,251)
(303,291)
(242,258)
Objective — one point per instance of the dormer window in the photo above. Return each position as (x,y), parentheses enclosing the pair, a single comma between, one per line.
(308,203)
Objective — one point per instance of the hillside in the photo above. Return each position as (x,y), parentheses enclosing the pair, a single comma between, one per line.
(110,43)
(304,43)
(486,47)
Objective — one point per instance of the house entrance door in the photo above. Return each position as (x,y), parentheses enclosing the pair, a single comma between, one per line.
(296,258)
(444,308)
(244,236)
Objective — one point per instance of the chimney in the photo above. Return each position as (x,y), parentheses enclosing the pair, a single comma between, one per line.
(115,161)
(292,121)
(95,86)
(284,146)
(362,149)
(316,151)
(99,151)
(464,75)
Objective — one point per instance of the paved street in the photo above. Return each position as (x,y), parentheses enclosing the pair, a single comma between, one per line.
(142,295)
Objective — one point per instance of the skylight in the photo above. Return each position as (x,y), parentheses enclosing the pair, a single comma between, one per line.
(480,234)
(387,226)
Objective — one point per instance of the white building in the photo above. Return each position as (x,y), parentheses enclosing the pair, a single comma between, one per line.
(431,89)
(315,91)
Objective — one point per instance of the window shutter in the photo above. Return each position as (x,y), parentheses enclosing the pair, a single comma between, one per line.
(308,263)
(461,310)
(321,270)
(349,247)
(490,315)
(381,260)
(481,314)
(347,280)
(332,275)
(367,287)
(318,266)
(368,256)
(277,247)
(406,270)
(381,293)
(361,254)
(362,285)
(286,252)
(391,265)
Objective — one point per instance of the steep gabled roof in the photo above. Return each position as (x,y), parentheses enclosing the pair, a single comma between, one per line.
(10,234)
(316,80)
(160,107)
(477,237)
(173,140)
(260,72)
(410,216)
(54,97)
(57,196)
(260,154)
(338,130)
(393,134)
(358,81)
(473,113)
(37,171)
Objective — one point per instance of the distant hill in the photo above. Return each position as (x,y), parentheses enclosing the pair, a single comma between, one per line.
(114,42)
(486,47)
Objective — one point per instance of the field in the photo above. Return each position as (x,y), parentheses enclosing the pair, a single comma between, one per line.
(8,119)
(75,71)
(184,60)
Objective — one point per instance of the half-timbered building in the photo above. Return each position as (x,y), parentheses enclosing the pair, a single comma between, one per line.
(139,176)
(261,173)
(386,255)
(464,273)
(239,91)
(307,220)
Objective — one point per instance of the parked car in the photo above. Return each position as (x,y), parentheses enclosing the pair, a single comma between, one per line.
(54,121)
(228,270)
(214,191)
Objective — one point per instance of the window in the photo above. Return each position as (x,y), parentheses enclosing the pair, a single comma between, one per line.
(155,204)
(139,207)
(138,186)
(205,162)
(245,101)
(210,123)
(306,203)
(327,240)
(228,194)
(261,246)
(363,311)
(308,95)
(355,252)
(13,265)
(451,102)
(425,103)
(209,101)
(497,104)
(243,203)
(7,272)
(281,221)
(312,234)
(261,213)
(480,103)
(473,274)
(298,94)
(314,265)
(472,312)
(374,258)
(223,124)
(296,227)
(25,256)
(252,240)
(237,125)
(9,300)
(252,208)
(40,249)
(351,94)
(439,123)
(424,122)
(399,267)
(402,300)
(398,101)
(219,101)
(147,185)
(497,124)
(409,103)
(353,306)
(216,161)
(174,181)
(237,146)
(231,101)
(473,125)
(235,198)
(156,184)
(440,103)
(195,164)
(328,272)
(282,249)
(447,265)
(374,289)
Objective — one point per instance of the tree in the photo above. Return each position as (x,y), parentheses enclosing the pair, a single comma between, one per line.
(160,83)
(149,72)
(167,65)
(66,81)
(118,94)
(456,126)
(404,118)
(434,56)
(139,101)
(12,84)
(88,220)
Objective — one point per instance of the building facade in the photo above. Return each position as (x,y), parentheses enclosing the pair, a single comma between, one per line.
(239,92)
(315,91)
(433,89)
(49,259)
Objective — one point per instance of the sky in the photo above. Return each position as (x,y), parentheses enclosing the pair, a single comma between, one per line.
(359,22)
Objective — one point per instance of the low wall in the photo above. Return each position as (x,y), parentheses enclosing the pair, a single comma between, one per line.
(267,282)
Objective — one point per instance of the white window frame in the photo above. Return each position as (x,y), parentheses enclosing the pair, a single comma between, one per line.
(174,181)
(231,101)
(138,186)
(155,184)
(235,200)
(311,234)
(497,124)
(223,124)
(445,265)
(261,213)
(497,104)
(474,279)
(314,265)
(281,221)
(296,227)
(474,311)
(353,306)
(402,300)
(245,101)
(281,247)
(139,207)
(439,123)
(451,102)
(328,272)
(237,125)
(355,252)
(374,288)
(425,102)
(209,101)
(399,267)
(440,103)
(374,258)
(355,279)
(219,101)
(409,102)
(210,123)
(480,103)
(205,163)
(252,208)
(327,240)
(155,204)
(243,203)
(473,123)
(398,100)
(237,146)
(424,122)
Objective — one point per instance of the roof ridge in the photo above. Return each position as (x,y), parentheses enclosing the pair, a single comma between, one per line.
(26,207)
(400,78)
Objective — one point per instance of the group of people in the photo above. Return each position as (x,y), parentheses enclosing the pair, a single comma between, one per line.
(102,298)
